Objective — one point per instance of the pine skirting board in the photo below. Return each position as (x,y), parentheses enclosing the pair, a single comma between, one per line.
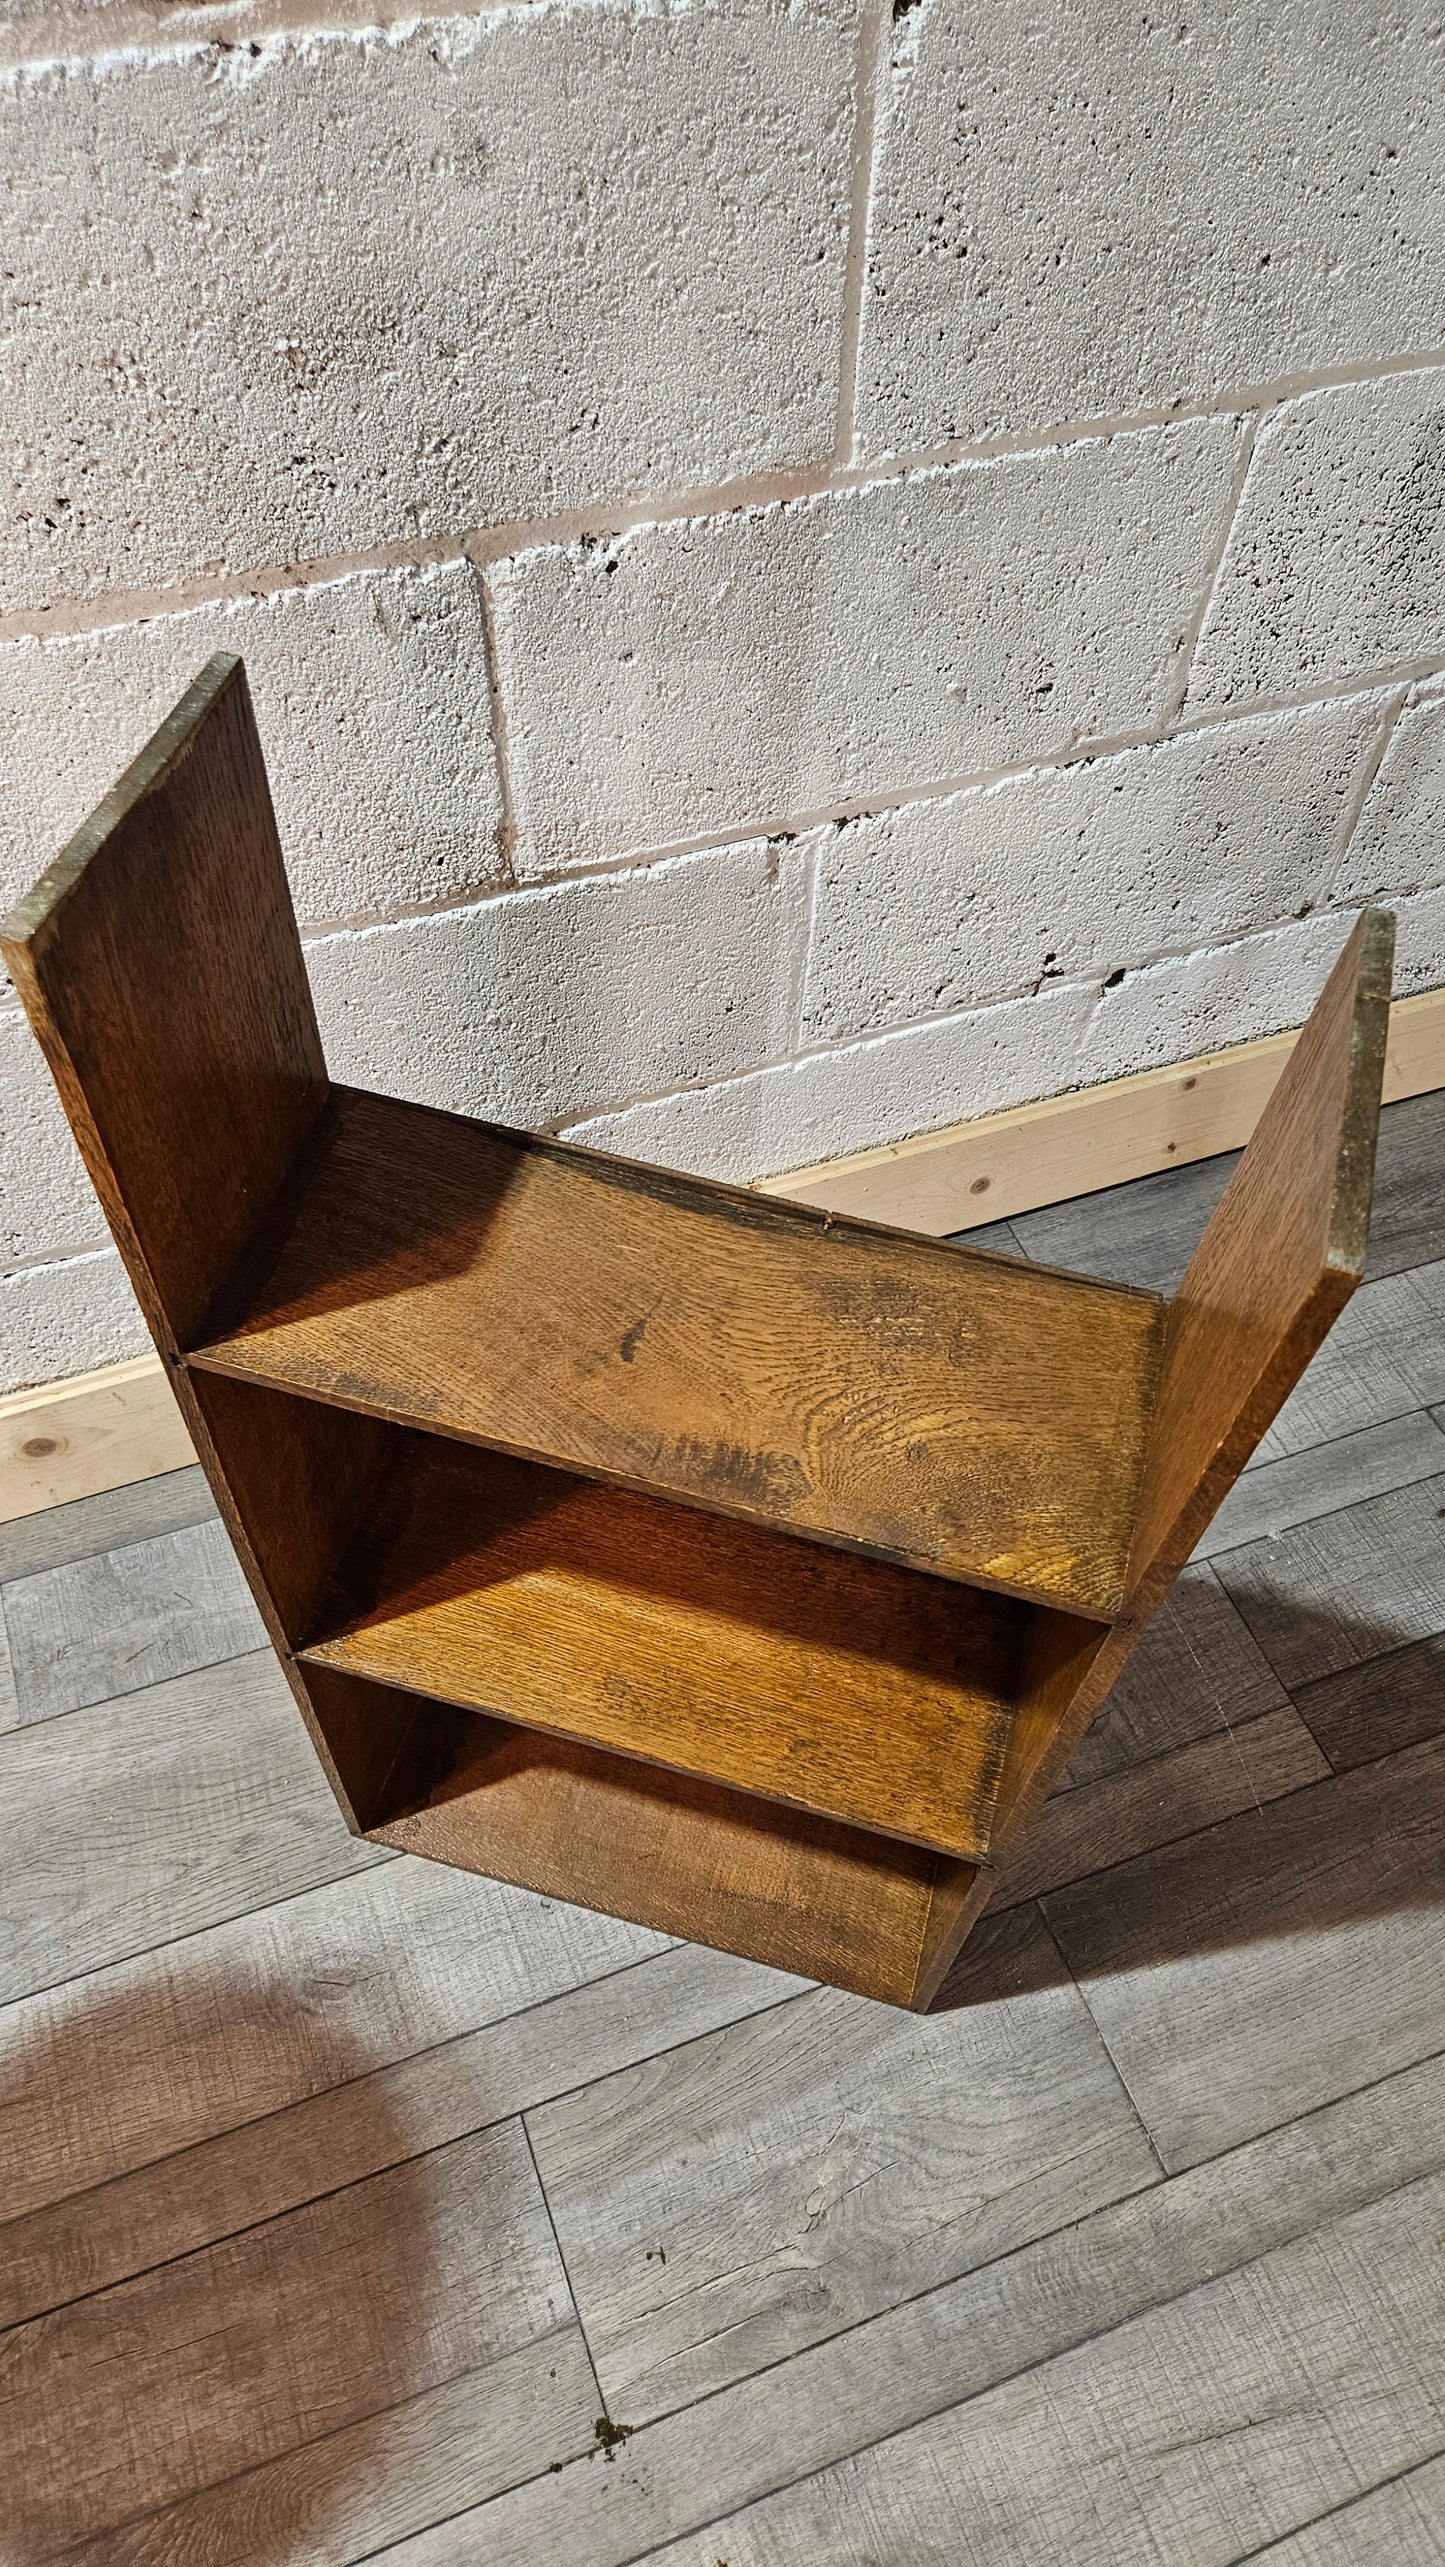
(98,1431)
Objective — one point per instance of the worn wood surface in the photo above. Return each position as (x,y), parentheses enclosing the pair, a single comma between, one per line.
(805,2167)
(1282,1253)
(118,1832)
(159,965)
(225,2041)
(801,1673)
(954,1412)
(109,1624)
(1246,1974)
(1113,2454)
(929,2354)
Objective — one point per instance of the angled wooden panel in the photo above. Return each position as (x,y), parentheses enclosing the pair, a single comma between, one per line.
(159,965)
(1280,1258)
(957,1412)
(842,1685)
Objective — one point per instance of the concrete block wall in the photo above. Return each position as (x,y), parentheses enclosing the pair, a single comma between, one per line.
(808,569)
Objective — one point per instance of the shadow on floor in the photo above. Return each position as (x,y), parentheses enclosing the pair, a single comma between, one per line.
(1364,1842)
(223,2357)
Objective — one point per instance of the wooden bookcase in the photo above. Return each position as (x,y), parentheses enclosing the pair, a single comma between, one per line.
(700,1556)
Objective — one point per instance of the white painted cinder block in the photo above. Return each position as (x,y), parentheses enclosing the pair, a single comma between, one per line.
(1083,869)
(831,1103)
(298,297)
(372,702)
(47,1207)
(1399,846)
(1336,561)
(696,677)
(537,1005)
(1082,210)
(68,1317)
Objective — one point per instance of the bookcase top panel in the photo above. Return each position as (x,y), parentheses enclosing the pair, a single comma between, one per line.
(959,1413)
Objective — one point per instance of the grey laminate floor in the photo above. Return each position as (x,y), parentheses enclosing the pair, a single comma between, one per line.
(359,2208)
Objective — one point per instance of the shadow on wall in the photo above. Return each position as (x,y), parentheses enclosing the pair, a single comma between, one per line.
(236,2401)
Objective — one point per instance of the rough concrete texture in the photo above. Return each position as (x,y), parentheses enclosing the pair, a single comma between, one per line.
(69,1317)
(1083,870)
(532,1007)
(1336,562)
(372,701)
(1399,846)
(778,660)
(921,1078)
(829,734)
(817,1107)
(1081,210)
(46,1202)
(297,297)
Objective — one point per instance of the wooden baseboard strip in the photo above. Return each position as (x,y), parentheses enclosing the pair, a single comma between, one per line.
(1094,1137)
(98,1431)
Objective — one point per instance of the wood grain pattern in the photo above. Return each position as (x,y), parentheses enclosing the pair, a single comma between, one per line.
(1250,1973)
(804,2167)
(1104,1823)
(159,965)
(109,1625)
(682,1856)
(1375,1709)
(931,2352)
(271,2341)
(1281,1256)
(204,1835)
(1161,2441)
(964,1415)
(833,1683)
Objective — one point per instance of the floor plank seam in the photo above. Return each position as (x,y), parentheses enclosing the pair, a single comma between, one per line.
(604,2411)
(1396,2478)
(333,2192)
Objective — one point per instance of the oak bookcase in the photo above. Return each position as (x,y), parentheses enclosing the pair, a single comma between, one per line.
(703,1557)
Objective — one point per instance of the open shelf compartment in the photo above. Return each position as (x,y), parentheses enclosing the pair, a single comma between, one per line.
(803,1674)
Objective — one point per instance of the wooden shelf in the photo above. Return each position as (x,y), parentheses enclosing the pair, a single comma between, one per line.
(840,1685)
(682,1856)
(955,1412)
(702,1557)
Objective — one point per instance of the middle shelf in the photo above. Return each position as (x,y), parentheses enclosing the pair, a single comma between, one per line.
(841,1685)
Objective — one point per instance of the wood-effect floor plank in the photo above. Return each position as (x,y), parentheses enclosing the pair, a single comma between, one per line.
(737,2199)
(1373,1710)
(1344,1588)
(136,1513)
(1401,2524)
(1142,1233)
(1249,1973)
(951,2344)
(1384,1356)
(241,2020)
(1197,2433)
(1323,1479)
(136,1821)
(1407,1221)
(1197,1672)
(101,1627)
(147,2395)
(358,2125)
(1098,1825)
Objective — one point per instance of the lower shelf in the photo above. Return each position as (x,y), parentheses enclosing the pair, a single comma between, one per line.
(842,1686)
(684,1857)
